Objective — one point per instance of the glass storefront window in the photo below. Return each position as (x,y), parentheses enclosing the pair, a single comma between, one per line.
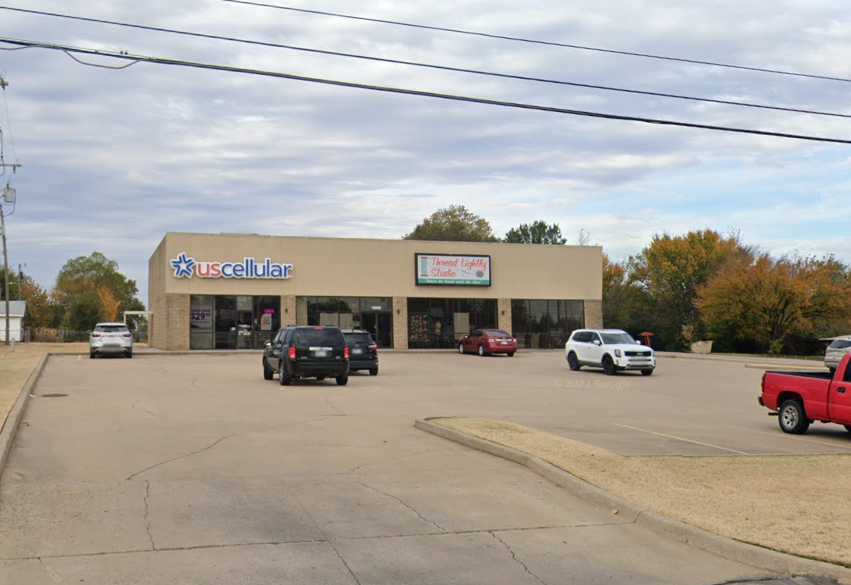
(545,324)
(374,314)
(434,323)
(232,322)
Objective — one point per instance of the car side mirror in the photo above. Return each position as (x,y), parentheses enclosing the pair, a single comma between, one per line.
(268,344)
(637,342)
(597,342)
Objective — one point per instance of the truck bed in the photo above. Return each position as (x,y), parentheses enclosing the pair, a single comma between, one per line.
(826,375)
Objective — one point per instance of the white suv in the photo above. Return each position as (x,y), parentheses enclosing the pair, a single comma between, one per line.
(610,349)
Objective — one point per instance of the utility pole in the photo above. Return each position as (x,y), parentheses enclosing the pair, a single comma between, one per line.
(5,271)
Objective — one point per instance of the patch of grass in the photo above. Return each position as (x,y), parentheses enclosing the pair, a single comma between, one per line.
(794,504)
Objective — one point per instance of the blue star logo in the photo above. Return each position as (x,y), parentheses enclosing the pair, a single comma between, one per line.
(182,266)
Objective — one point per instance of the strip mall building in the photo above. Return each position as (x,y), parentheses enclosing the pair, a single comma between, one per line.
(234,291)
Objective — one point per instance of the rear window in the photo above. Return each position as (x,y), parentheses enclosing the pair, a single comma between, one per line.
(352,338)
(112,329)
(840,344)
(321,336)
(497,334)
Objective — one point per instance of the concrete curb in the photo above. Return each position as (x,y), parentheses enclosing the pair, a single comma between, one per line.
(10,426)
(733,550)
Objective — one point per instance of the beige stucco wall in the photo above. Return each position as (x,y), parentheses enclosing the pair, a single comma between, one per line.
(364,268)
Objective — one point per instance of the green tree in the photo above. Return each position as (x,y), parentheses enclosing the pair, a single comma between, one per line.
(672,268)
(539,232)
(14,293)
(453,224)
(77,286)
(626,305)
(41,310)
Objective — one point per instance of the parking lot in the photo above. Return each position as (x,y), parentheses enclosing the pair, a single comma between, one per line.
(166,469)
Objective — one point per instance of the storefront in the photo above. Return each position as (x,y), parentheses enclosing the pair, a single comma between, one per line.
(234,291)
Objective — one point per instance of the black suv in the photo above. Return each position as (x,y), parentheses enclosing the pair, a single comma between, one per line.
(307,352)
(363,351)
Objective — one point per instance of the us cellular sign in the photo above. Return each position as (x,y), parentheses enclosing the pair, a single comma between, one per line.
(186,267)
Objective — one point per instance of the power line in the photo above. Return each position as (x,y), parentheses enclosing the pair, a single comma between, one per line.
(540,42)
(427,65)
(413,92)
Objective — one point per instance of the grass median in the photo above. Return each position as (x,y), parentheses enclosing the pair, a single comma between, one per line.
(792,504)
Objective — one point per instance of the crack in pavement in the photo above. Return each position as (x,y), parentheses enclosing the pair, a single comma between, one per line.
(328,402)
(322,532)
(147,518)
(142,409)
(180,457)
(404,503)
(514,556)
(54,576)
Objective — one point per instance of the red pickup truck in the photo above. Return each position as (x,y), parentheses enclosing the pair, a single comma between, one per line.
(803,397)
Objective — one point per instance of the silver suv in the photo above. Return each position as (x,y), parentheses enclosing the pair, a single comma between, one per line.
(610,349)
(834,352)
(111,338)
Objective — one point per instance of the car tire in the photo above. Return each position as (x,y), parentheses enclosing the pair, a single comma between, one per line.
(373,371)
(342,380)
(461,348)
(285,378)
(510,354)
(848,428)
(573,362)
(646,372)
(482,351)
(91,355)
(792,418)
(609,366)
(130,354)
(267,371)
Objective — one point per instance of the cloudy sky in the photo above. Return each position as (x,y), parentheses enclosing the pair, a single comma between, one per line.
(114,159)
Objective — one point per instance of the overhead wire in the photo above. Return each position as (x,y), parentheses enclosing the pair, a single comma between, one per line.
(411,92)
(538,42)
(425,65)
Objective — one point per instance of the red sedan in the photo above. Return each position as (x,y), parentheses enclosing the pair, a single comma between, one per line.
(488,341)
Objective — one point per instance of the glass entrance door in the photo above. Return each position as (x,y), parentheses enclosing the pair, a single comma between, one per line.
(380,326)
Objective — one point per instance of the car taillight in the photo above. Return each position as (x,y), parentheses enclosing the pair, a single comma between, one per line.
(373,347)
(345,353)
(292,354)
(95,334)
(127,335)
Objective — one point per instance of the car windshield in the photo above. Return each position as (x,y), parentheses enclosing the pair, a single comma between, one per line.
(353,338)
(111,329)
(618,337)
(497,334)
(840,344)
(319,336)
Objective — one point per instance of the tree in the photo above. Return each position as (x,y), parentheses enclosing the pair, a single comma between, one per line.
(77,286)
(625,304)
(41,310)
(453,224)
(672,268)
(539,232)
(14,279)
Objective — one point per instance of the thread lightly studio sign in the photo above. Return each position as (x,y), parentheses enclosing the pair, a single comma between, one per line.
(186,267)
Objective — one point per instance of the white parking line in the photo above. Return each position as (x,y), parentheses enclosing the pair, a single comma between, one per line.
(792,437)
(681,439)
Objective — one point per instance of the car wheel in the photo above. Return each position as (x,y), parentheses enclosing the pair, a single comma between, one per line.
(461,348)
(130,354)
(267,371)
(646,372)
(373,371)
(320,378)
(573,362)
(609,366)
(342,380)
(482,350)
(91,355)
(285,378)
(510,354)
(792,418)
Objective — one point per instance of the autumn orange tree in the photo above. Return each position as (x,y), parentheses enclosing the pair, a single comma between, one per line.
(761,305)
(671,269)
(625,304)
